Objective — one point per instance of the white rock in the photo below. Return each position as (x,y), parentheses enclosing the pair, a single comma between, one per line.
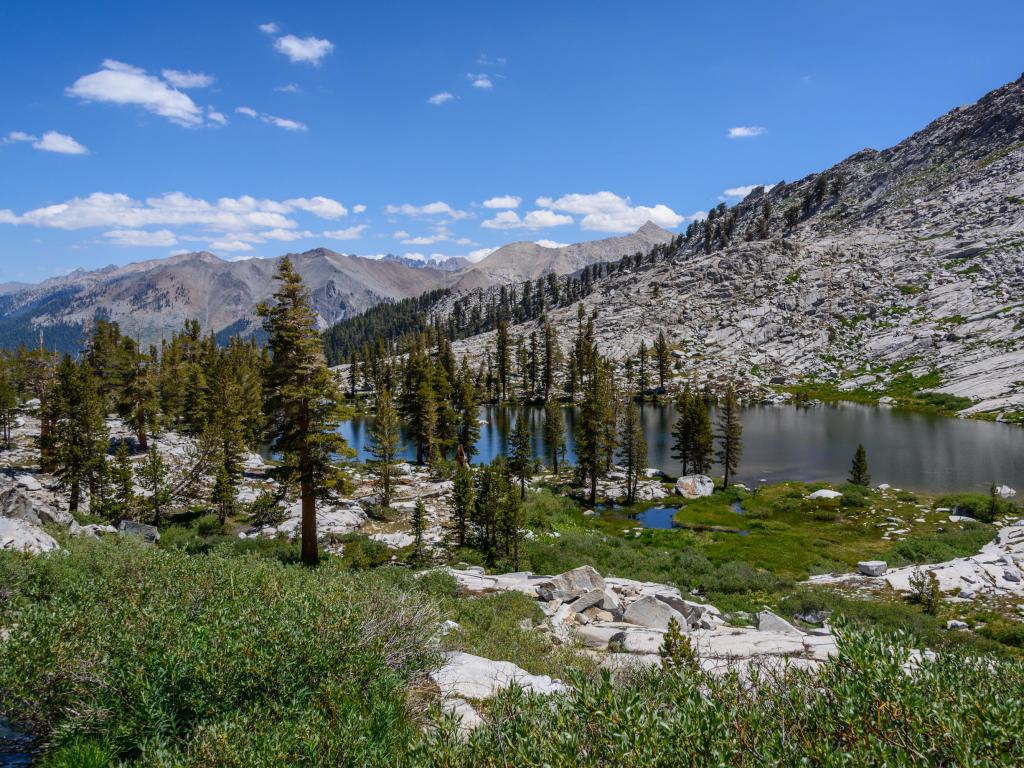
(825,493)
(694,486)
(956,624)
(769,622)
(872,567)
(22,536)
(473,677)
(652,613)
(1005,492)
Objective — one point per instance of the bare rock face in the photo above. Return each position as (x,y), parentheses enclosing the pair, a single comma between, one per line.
(911,255)
(652,613)
(695,486)
(22,536)
(571,584)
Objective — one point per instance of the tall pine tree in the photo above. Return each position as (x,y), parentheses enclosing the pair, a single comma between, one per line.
(303,400)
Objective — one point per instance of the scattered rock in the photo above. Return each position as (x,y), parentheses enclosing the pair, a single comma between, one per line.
(695,486)
(872,567)
(22,536)
(956,624)
(825,493)
(145,532)
(652,613)
(571,584)
(473,677)
(769,622)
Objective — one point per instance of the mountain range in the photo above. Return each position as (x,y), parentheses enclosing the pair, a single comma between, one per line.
(152,299)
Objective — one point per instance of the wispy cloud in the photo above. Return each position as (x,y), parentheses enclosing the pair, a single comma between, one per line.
(51,141)
(280,122)
(440,98)
(289,88)
(480,80)
(541,219)
(270,28)
(351,233)
(744,190)
(746,131)
(187,79)
(437,208)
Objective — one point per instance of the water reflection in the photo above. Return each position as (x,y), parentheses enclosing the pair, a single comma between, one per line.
(907,450)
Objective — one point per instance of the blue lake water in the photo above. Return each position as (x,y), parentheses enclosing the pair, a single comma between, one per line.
(907,450)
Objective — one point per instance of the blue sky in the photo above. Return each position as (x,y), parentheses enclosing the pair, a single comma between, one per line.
(135,130)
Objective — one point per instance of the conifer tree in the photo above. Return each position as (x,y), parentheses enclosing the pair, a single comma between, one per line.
(466,405)
(140,406)
(642,379)
(419,525)
(554,433)
(702,441)
(520,459)
(8,404)
(303,400)
(632,448)
(462,503)
(153,479)
(503,358)
(384,443)
(510,519)
(859,469)
(77,439)
(122,482)
(730,435)
(662,359)
(590,429)
(552,360)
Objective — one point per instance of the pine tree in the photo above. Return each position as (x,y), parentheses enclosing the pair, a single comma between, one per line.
(682,447)
(520,459)
(303,400)
(77,439)
(384,443)
(632,448)
(466,405)
(419,525)
(730,435)
(510,519)
(8,404)
(859,469)
(702,443)
(590,428)
(122,481)
(503,357)
(462,503)
(141,404)
(642,380)
(662,359)
(677,654)
(554,433)
(153,479)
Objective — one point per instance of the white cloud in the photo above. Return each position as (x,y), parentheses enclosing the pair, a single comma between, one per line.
(59,142)
(308,50)
(118,83)
(400,234)
(270,28)
(440,98)
(744,190)
(503,201)
(746,131)
(289,88)
(697,216)
(229,245)
(233,224)
(280,122)
(324,207)
(550,244)
(217,117)
(430,209)
(480,254)
(532,220)
(350,233)
(480,80)
(358,208)
(141,237)
(188,79)
(607,212)
(16,136)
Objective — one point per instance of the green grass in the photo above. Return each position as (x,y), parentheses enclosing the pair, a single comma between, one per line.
(909,391)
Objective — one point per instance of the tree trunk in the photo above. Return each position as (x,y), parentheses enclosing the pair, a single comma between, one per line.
(76,492)
(143,439)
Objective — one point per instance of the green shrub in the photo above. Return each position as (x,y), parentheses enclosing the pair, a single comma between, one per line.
(862,709)
(210,660)
(939,547)
(980,506)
